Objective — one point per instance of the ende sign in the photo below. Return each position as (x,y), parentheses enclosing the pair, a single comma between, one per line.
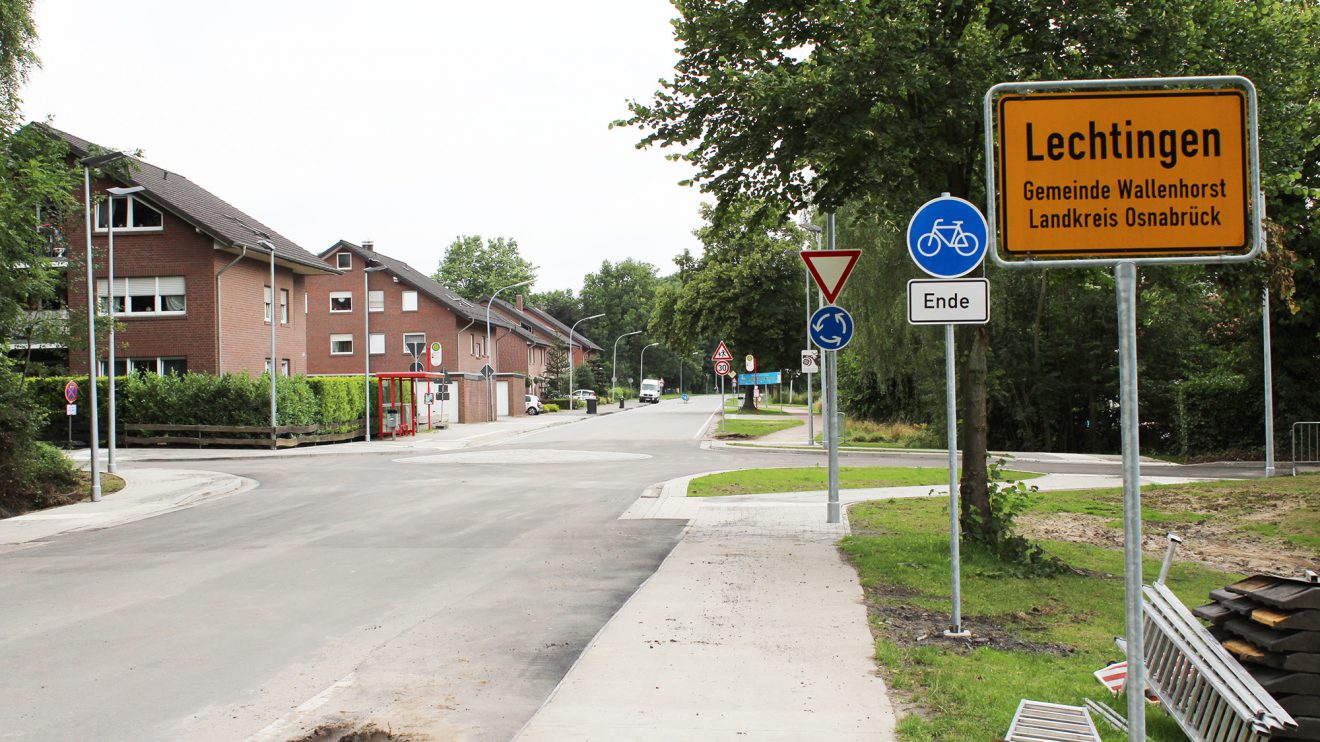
(1123,173)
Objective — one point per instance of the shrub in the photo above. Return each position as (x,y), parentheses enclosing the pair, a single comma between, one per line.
(1210,414)
(31,472)
(551,407)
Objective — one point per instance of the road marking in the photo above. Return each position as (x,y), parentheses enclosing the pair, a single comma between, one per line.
(272,731)
(705,426)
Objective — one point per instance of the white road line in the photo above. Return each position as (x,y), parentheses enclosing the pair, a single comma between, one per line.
(273,731)
(705,426)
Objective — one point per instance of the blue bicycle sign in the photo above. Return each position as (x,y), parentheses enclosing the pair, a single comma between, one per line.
(831,327)
(947,237)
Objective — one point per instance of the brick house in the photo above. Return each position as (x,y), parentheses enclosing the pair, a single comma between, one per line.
(543,339)
(192,284)
(583,349)
(407,311)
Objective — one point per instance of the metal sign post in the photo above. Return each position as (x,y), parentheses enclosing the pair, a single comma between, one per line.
(1116,173)
(947,239)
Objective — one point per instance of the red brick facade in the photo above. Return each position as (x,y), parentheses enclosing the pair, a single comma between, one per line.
(177,249)
(462,339)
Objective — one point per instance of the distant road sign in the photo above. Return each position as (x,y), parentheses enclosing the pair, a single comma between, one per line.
(436,355)
(958,301)
(751,362)
(487,371)
(759,379)
(722,353)
(71,392)
(1124,173)
(722,368)
(831,327)
(810,362)
(947,237)
(830,269)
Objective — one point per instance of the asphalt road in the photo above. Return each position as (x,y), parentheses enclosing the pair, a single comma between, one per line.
(444,594)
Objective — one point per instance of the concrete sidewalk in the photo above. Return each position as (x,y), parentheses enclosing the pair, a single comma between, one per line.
(753,628)
(146,493)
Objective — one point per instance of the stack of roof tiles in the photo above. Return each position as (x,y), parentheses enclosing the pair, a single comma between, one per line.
(1272,625)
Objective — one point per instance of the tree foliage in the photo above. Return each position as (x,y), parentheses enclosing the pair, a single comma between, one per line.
(745,289)
(559,303)
(872,108)
(473,267)
(625,293)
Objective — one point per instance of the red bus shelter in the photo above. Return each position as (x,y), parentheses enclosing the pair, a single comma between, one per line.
(397,401)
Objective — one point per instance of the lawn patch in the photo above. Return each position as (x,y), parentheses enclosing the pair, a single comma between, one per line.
(1032,637)
(755,428)
(812,478)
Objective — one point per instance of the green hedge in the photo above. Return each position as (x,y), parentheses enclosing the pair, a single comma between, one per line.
(335,403)
(1215,414)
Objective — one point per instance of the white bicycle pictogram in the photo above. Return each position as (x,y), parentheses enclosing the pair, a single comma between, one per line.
(940,234)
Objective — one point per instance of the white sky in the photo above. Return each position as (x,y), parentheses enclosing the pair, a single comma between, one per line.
(405,122)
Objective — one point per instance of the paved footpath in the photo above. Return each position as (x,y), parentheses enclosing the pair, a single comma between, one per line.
(753,628)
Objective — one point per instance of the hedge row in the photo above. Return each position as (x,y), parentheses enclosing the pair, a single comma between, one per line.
(1210,411)
(333,402)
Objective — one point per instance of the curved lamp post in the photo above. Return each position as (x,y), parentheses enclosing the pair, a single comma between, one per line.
(614,364)
(490,380)
(570,356)
(371,265)
(110,290)
(641,365)
(88,163)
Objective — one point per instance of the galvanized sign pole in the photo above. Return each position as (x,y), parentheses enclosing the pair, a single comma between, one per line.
(1154,225)
(950,395)
(833,511)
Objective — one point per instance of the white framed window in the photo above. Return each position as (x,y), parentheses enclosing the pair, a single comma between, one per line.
(158,366)
(344,260)
(284,306)
(306,303)
(376,343)
(341,345)
(410,301)
(375,301)
(341,301)
(266,299)
(284,366)
(145,295)
(131,215)
(414,344)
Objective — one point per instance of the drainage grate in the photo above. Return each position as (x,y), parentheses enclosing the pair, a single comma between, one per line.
(1036,721)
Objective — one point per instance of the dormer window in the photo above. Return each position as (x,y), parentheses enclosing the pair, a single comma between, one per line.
(344,261)
(131,215)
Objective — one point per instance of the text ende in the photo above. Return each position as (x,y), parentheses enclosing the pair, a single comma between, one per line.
(952,301)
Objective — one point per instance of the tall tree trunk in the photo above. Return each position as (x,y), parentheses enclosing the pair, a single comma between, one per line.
(749,400)
(975,512)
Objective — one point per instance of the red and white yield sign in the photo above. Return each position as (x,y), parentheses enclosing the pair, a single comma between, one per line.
(830,269)
(722,353)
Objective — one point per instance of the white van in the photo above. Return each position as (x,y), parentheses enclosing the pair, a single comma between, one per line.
(650,391)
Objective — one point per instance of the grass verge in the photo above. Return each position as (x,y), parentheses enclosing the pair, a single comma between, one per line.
(754,428)
(811,478)
(1033,637)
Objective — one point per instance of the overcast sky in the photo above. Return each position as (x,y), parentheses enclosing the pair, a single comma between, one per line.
(408,123)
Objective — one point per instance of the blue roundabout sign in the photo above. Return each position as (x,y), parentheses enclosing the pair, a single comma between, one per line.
(947,237)
(831,327)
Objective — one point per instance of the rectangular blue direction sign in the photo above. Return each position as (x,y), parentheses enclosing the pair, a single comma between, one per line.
(760,379)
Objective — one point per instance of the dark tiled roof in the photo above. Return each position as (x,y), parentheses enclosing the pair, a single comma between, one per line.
(427,285)
(578,338)
(530,321)
(202,209)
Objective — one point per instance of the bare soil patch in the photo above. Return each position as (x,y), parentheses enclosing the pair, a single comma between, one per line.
(351,732)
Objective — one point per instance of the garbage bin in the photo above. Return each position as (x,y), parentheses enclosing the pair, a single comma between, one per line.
(621,401)
(591,406)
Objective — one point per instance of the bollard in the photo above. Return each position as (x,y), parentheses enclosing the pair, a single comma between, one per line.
(1168,556)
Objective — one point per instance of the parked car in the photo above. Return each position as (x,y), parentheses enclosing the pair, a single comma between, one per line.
(650,391)
(533,402)
(584,394)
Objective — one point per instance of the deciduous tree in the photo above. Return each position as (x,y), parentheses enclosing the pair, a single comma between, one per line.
(474,267)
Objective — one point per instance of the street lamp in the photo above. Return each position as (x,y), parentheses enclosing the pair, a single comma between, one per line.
(641,365)
(110,286)
(682,362)
(370,266)
(570,356)
(490,380)
(811,411)
(88,163)
(614,364)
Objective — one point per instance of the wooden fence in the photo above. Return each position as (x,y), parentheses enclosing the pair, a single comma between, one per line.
(253,436)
